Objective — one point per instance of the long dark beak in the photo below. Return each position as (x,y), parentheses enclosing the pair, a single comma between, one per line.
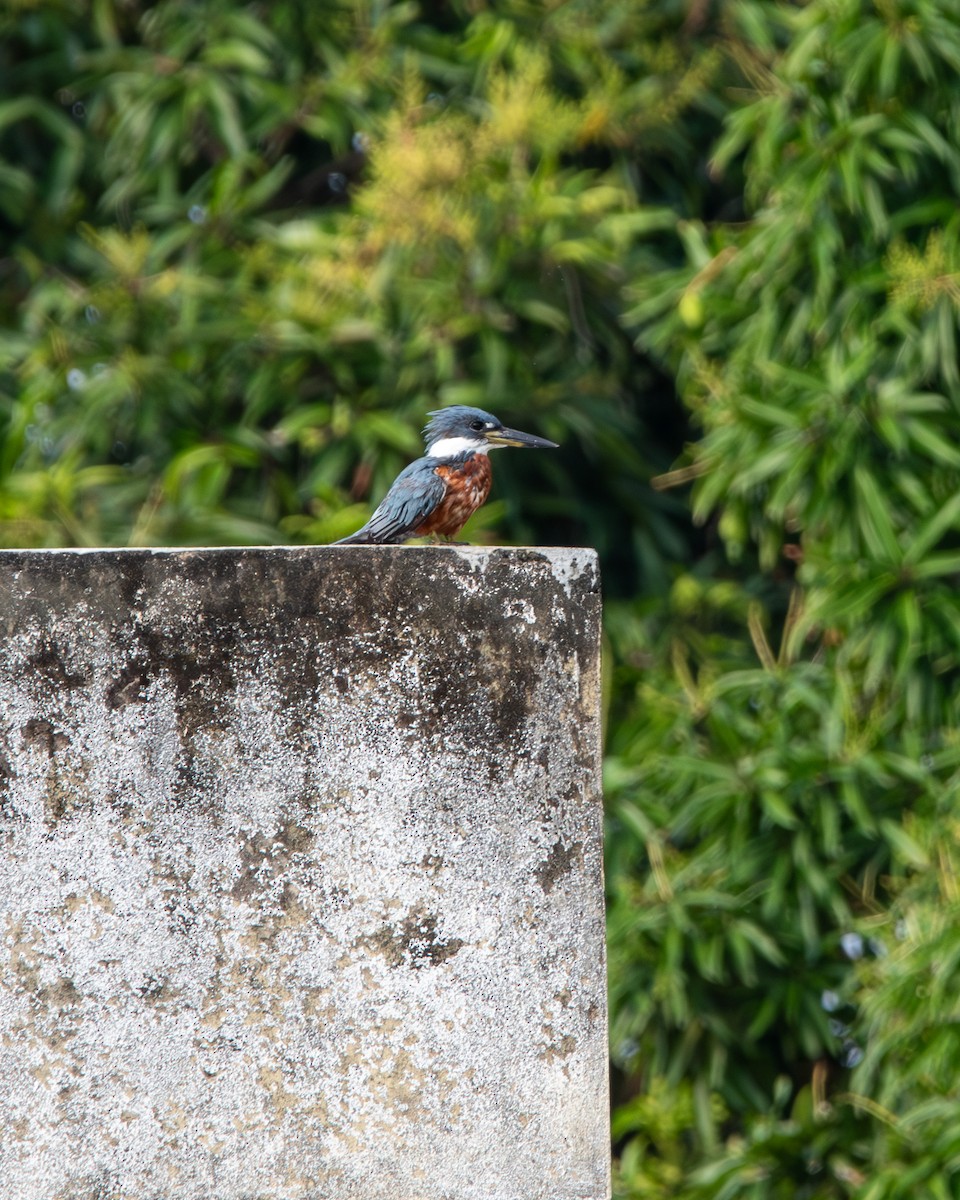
(513,437)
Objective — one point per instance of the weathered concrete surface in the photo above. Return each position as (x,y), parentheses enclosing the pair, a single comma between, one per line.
(300,876)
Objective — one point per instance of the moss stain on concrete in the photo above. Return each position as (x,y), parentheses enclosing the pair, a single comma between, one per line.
(300,875)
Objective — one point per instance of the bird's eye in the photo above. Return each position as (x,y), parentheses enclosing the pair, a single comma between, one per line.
(478,425)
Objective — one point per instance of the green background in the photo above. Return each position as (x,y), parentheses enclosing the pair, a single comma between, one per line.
(713,250)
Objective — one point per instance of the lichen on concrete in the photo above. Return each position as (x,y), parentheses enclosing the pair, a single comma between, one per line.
(300,875)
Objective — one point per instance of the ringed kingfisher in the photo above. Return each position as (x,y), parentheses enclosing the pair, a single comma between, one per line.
(441,491)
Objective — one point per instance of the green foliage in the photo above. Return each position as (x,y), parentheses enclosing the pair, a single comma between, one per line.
(714,251)
(254,245)
(793,813)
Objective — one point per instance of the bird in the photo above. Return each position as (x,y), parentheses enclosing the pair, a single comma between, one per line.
(439,492)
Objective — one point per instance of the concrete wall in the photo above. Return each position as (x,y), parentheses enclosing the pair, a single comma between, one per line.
(300,875)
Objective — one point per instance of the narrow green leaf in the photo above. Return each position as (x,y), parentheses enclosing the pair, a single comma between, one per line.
(874,518)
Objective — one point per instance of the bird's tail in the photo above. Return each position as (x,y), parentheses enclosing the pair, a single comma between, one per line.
(363,537)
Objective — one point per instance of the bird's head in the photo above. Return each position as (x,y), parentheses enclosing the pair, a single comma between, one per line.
(463,430)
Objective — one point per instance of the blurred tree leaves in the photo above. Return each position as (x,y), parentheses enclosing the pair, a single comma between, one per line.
(260,226)
(792,845)
(713,250)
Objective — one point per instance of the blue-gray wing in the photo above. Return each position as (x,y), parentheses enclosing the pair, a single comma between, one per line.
(415,493)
